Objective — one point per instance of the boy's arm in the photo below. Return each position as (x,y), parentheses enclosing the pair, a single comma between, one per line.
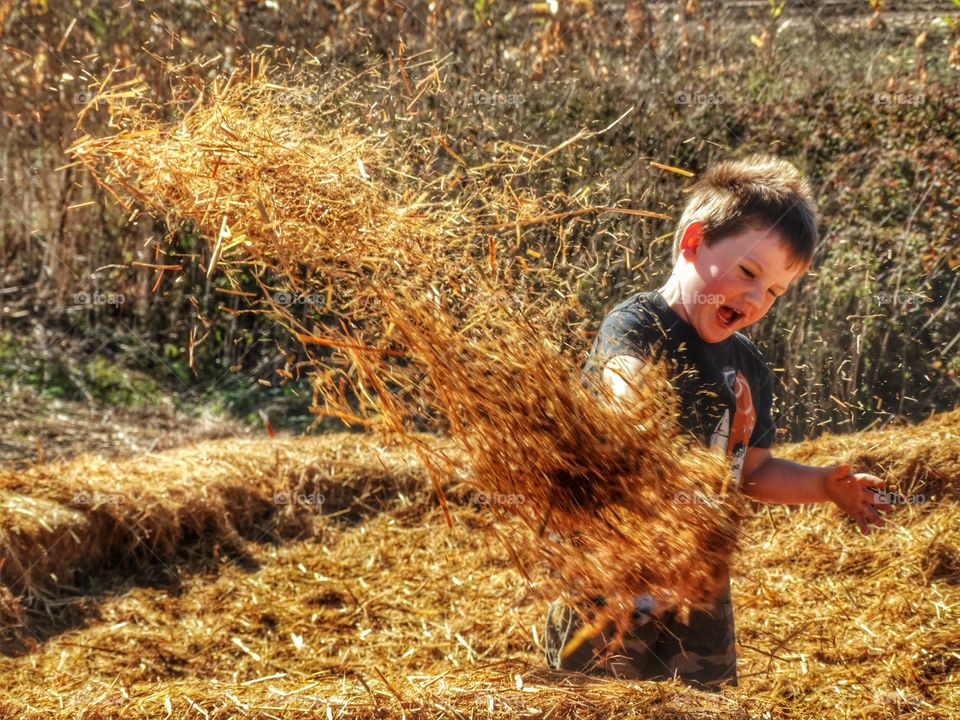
(620,376)
(774,480)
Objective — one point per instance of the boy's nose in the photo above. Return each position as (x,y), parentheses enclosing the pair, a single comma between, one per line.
(755,298)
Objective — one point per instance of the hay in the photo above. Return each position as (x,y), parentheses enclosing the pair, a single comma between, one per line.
(419,321)
(29,528)
(920,460)
(546,446)
(66,524)
(300,200)
(398,615)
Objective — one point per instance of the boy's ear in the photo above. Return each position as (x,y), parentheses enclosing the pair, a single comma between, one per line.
(692,237)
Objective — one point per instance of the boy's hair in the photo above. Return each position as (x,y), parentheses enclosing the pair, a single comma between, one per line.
(758,191)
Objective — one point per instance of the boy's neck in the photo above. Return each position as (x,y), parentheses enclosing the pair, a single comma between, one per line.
(671,294)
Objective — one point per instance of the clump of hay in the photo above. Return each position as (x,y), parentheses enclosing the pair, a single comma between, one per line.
(920,461)
(921,466)
(302,199)
(635,506)
(42,539)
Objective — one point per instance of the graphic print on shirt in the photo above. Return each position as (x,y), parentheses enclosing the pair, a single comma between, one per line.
(733,441)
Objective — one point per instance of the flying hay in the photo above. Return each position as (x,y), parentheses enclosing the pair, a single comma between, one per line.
(424,323)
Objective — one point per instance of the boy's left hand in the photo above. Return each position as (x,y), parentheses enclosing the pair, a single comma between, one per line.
(851,493)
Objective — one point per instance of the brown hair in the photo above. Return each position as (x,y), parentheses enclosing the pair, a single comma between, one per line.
(758,191)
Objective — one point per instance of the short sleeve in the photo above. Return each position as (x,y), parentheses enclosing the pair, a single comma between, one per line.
(623,332)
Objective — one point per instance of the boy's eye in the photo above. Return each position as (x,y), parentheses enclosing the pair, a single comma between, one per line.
(747,272)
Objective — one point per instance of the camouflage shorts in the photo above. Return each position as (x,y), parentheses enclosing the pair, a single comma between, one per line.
(701,653)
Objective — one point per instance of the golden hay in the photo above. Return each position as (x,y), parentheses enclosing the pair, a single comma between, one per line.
(424,323)
(919,460)
(400,615)
(65,523)
(29,526)
(275,185)
(544,445)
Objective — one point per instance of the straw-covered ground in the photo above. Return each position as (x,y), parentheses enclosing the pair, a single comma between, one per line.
(407,576)
(317,577)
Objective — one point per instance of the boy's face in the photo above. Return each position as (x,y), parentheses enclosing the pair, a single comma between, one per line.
(732,283)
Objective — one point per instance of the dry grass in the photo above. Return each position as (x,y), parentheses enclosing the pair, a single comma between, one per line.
(547,449)
(40,429)
(292,197)
(63,524)
(923,463)
(416,319)
(394,613)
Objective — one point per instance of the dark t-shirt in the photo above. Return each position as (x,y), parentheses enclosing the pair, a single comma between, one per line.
(725,388)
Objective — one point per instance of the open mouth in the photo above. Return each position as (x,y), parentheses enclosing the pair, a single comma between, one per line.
(728,316)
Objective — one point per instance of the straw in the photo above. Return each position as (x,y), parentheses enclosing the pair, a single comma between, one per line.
(393,614)
(414,320)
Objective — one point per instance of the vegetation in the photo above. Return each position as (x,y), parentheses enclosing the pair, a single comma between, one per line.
(865,104)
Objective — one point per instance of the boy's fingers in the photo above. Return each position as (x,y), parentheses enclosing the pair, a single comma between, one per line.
(870,481)
(862,522)
(872,516)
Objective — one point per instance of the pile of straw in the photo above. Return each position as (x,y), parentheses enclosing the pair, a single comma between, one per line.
(394,614)
(62,525)
(424,321)
(923,462)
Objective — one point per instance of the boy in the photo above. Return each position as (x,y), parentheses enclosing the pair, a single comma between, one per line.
(748,231)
